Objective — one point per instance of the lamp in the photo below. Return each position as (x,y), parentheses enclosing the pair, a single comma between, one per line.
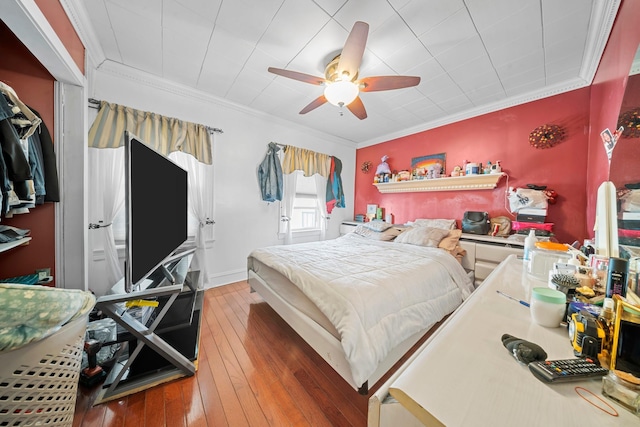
(342,92)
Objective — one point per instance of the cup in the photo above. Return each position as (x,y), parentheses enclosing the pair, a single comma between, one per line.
(548,306)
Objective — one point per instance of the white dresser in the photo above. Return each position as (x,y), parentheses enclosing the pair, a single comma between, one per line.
(484,253)
(463,376)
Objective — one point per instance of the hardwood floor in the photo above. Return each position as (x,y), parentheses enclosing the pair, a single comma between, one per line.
(253,370)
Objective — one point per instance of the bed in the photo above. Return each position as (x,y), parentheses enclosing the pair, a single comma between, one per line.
(362,301)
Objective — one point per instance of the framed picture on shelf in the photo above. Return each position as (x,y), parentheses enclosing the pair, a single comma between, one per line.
(431,166)
(372,209)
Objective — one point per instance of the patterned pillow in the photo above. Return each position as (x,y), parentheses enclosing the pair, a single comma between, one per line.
(447,224)
(422,236)
(32,312)
(377,225)
(386,235)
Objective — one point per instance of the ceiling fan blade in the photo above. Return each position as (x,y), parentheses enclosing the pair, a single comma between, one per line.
(351,55)
(307,78)
(357,108)
(373,84)
(314,104)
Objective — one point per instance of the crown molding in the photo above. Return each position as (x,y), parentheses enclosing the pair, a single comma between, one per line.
(549,91)
(79,18)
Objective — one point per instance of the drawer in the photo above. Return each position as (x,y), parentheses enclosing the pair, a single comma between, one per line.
(346,228)
(494,253)
(483,269)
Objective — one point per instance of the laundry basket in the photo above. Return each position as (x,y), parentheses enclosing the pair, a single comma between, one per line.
(39,381)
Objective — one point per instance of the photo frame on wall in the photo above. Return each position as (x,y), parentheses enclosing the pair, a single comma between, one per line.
(430,166)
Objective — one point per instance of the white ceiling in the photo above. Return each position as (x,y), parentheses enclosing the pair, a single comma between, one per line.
(473,56)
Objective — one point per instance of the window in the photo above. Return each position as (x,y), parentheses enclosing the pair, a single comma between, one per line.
(306,213)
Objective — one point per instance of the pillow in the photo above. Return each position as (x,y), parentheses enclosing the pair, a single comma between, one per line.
(377,225)
(422,236)
(450,241)
(386,235)
(447,224)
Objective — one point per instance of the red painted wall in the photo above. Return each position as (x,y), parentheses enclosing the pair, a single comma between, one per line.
(55,14)
(504,136)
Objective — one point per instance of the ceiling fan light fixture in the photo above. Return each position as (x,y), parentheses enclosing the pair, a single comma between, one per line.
(341,92)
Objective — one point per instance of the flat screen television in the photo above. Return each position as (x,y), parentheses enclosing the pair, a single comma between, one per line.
(155,209)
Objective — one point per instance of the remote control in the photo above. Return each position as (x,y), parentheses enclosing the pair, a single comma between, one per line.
(557,371)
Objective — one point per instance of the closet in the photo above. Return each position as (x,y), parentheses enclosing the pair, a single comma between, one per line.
(37,65)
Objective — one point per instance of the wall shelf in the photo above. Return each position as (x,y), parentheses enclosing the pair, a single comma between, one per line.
(453,183)
(10,245)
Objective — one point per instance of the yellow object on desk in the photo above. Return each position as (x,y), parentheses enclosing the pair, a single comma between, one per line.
(141,303)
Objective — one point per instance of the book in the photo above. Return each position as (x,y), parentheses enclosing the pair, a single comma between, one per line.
(630,215)
(533,211)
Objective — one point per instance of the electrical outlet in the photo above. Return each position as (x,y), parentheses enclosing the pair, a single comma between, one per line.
(43,273)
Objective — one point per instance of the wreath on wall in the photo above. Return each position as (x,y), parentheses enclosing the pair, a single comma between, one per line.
(630,122)
(365,167)
(546,136)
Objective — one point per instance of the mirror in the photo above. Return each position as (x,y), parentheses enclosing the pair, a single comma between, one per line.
(624,171)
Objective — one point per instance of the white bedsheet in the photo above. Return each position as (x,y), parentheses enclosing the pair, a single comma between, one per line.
(376,294)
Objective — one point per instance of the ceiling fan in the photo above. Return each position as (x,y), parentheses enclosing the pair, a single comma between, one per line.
(341,79)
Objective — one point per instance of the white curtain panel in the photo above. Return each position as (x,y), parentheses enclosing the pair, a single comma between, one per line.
(106,181)
(321,199)
(289,195)
(201,206)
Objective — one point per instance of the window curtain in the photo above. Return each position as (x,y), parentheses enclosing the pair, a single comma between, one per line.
(321,185)
(107,180)
(307,161)
(165,135)
(289,189)
(201,205)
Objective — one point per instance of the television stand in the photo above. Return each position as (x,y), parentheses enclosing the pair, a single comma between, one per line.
(154,337)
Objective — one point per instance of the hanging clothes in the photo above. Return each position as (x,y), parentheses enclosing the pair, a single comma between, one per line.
(335,194)
(270,175)
(51,184)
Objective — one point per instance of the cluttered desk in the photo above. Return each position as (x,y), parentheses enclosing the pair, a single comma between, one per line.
(475,369)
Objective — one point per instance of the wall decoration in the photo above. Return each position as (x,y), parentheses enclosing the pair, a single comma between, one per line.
(431,166)
(630,122)
(366,167)
(546,136)
(610,139)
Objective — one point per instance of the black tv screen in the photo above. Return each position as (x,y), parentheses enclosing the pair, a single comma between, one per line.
(156,209)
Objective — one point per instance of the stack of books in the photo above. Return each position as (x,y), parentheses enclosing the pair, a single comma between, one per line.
(532,218)
(629,228)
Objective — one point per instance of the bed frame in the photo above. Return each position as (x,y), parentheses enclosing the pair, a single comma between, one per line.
(325,344)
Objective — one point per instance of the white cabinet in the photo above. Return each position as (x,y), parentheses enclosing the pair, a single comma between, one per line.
(348,227)
(484,253)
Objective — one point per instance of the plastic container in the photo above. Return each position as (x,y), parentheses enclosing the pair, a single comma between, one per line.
(548,307)
(529,245)
(542,261)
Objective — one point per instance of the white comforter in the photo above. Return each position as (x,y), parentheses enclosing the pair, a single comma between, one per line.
(376,294)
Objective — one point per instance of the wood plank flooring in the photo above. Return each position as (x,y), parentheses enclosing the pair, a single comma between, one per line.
(253,370)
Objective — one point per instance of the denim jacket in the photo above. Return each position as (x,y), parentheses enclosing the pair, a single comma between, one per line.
(270,175)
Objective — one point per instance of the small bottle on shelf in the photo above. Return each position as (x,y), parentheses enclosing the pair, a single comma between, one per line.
(529,244)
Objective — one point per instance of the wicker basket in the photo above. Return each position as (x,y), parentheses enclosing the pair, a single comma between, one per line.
(39,382)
